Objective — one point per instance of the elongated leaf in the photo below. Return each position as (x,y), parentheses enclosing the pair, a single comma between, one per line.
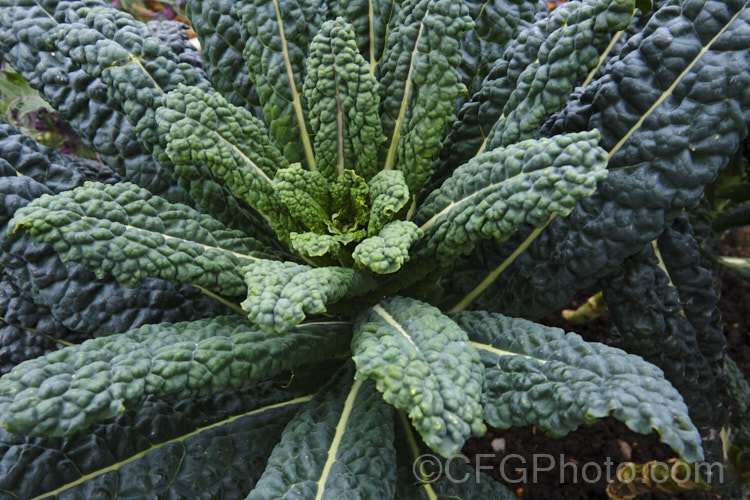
(424,365)
(388,195)
(305,196)
(339,445)
(20,155)
(156,68)
(27,330)
(67,390)
(566,56)
(500,190)
(79,98)
(496,22)
(668,133)
(542,376)
(372,20)
(697,284)
(74,295)
(649,321)
(279,35)
(480,113)
(124,231)
(209,447)
(387,252)
(343,97)
(453,478)
(175,35)
(223,38)
(420,83)
(281,294)
(138,69)
(202,132)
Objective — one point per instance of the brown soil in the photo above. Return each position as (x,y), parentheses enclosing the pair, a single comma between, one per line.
(608,439)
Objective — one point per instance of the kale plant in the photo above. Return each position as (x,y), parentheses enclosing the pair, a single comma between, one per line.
(311,252)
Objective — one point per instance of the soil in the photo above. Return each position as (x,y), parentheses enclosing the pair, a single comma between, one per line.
(607,440)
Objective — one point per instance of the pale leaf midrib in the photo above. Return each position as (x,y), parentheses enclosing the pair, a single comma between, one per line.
(296,102)
(392,321)
(668,92)
(427,225)
(229,143)
(402,109)
(34,330)
(415,452)
(168,237)
(337,437)
(141,454)
(500,352)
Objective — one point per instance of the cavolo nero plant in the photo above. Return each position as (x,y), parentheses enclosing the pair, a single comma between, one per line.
(308,252)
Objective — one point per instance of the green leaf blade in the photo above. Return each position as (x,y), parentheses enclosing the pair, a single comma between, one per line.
(281,294)
(424,365)
(349,454)
(279,34)
(500,190)
(197,446)
(139,236)
(542,376)
(67,390)
(343,98)
(420,84)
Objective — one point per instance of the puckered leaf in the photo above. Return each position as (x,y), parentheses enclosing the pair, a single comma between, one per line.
(496,22)
(305,195)
(319,245)
(223,38)
(669,133)
(279,35)
(555,380)
(138,69)
(208,447)
(388,195)
(125,231)
(387,252)
(349,202)
(208,138)
(77,97)
(281,294)
(419,84)
(648,320)
(339,445)
(27,330)
(119,40)
(175,35)
(67,390)
(500,190)
(534,77)
(74,295)
(425,366)
(372,20)
(420,475)
(343,97)
(567,55)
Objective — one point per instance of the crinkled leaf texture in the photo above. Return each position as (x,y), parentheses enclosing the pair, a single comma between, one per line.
(68,390)
(424,365)
(125,231)
(212,447)
(555,380)
(281,294)
(339,445)
(28,330)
